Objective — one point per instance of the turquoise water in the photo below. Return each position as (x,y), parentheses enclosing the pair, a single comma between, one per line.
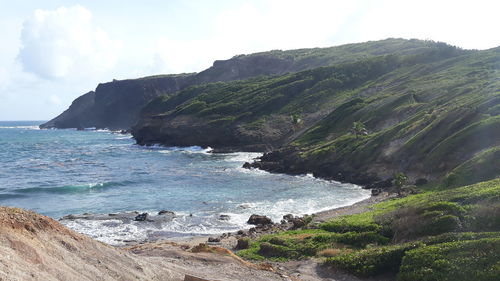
(61,172)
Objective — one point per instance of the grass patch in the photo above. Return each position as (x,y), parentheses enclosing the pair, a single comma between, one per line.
(462,260)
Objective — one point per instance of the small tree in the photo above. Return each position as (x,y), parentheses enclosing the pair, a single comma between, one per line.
(399,180)
(358,129)
(296,119)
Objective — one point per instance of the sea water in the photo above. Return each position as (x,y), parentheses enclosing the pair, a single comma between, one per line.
(61,172)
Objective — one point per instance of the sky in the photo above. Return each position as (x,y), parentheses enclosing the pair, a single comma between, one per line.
(53,51)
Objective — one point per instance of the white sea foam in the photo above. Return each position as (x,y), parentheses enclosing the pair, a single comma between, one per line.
(241,156)
(184,224)
(20,127)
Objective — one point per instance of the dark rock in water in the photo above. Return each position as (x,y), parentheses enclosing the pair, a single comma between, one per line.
(257,219)
(247,165)
(240,232)
(224,217)
(141,217)
(165,212)
(243,243)
(213,240)
(244,206)
(376,191)
(288,217)
(421,181)
(68,217)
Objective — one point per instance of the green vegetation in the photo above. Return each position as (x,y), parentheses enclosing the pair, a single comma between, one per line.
(409,237)
(400,179)
(433,119)
(464,260)
(358,129)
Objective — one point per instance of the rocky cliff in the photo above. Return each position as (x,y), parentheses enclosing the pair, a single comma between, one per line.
(116,104)
(427,113)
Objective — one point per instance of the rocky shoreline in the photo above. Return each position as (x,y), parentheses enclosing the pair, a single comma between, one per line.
(231,240)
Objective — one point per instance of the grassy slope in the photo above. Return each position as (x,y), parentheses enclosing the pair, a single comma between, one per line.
(427,117)
(428,236)
(425,114)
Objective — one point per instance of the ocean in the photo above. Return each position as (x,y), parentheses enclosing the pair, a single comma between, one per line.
(62,172)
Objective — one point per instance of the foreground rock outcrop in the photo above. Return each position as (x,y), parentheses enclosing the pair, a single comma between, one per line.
(35,247)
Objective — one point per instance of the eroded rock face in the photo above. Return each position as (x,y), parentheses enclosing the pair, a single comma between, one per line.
(116,105)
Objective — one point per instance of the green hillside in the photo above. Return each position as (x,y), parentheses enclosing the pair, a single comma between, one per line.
(425,114)
(432,114)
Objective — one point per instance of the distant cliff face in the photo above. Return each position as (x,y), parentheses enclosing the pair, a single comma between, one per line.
(117,104)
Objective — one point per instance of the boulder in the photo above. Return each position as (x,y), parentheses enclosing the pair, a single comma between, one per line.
(376,191)
(141,217)
(213,239)
(243,243)
(380,184)
(257,219)
(298,223)
(166,212)
(421,181)
(224,217)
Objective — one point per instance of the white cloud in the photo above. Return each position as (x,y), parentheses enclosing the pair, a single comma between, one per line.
(64,42)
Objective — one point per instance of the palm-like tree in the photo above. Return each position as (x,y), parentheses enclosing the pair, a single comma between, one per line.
(399,180)
(359,129)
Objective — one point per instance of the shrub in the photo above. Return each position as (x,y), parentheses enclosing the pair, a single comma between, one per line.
(344,225)
(362,239)
(423,220)
(275,251)
(458,236)
(442,224)
(485,217)
(463,260)
(372,262)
